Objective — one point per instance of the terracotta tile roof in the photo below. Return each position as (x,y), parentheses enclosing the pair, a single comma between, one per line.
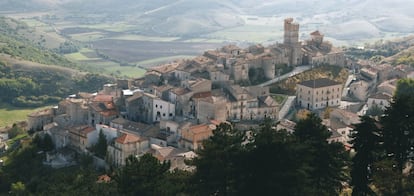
(102,98)
(166,68)
(200,128)
(81,130)
(127,138)
(104,108)
(87,130)
(103,178)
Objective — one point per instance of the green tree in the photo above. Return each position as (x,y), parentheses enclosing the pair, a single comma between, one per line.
(48,143)
(101,146)
(274,163)
(375,111)
(18,188)
(326,162)
(141,176)
(366,142)
(219,161)
(398,127)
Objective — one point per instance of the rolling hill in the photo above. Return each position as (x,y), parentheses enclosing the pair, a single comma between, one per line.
(340,20)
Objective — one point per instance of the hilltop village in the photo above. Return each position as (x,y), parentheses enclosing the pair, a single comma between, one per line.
(176,106)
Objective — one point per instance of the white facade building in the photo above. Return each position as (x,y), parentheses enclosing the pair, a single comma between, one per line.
(319,93)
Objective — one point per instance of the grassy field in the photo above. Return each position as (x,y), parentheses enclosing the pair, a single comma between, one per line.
(88,37)
(78,56)
(144,38)
(10,114)
(91,62)
(114,27)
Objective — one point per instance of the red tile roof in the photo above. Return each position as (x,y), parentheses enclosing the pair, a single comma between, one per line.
(103,98)
(200,128)
(127,138)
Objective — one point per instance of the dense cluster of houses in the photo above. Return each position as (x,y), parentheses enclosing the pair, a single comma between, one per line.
(176,106)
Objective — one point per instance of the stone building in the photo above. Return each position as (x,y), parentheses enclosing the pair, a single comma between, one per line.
(81,137)
(380,100)
(102,110)
(193,136)
(318,93)
(291,41)
(126,145)
(38,119)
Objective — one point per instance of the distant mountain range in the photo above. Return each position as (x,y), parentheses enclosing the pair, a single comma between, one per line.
(339,19)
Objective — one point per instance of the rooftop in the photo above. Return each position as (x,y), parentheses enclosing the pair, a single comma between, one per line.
(103,98)
(44,112)
(319,83)
(200,128)
(166,68)
(380,96)
(317,33)
(127,138)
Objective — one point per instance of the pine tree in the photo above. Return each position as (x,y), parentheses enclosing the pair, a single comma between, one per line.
(219,162)
(398,127)
(326,161)
(366,141)
(101,146)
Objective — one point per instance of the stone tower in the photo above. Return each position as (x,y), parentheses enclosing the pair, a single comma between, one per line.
(317,38)
(291,35)
(291,41)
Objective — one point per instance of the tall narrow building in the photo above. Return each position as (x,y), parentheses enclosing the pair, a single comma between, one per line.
(291,41)
(291,35)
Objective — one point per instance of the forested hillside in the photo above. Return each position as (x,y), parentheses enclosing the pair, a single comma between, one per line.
(16,45)
(31,75)
(32,87)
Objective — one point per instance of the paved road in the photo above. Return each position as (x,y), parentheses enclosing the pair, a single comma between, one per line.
(286,107)
(348,81)
(295,71)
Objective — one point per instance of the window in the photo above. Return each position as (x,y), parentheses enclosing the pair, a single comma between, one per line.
(316,99)
(171,114)
(316,105)
(156,105)
(161,106)
(317,92)
(308,92)
(163,114)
